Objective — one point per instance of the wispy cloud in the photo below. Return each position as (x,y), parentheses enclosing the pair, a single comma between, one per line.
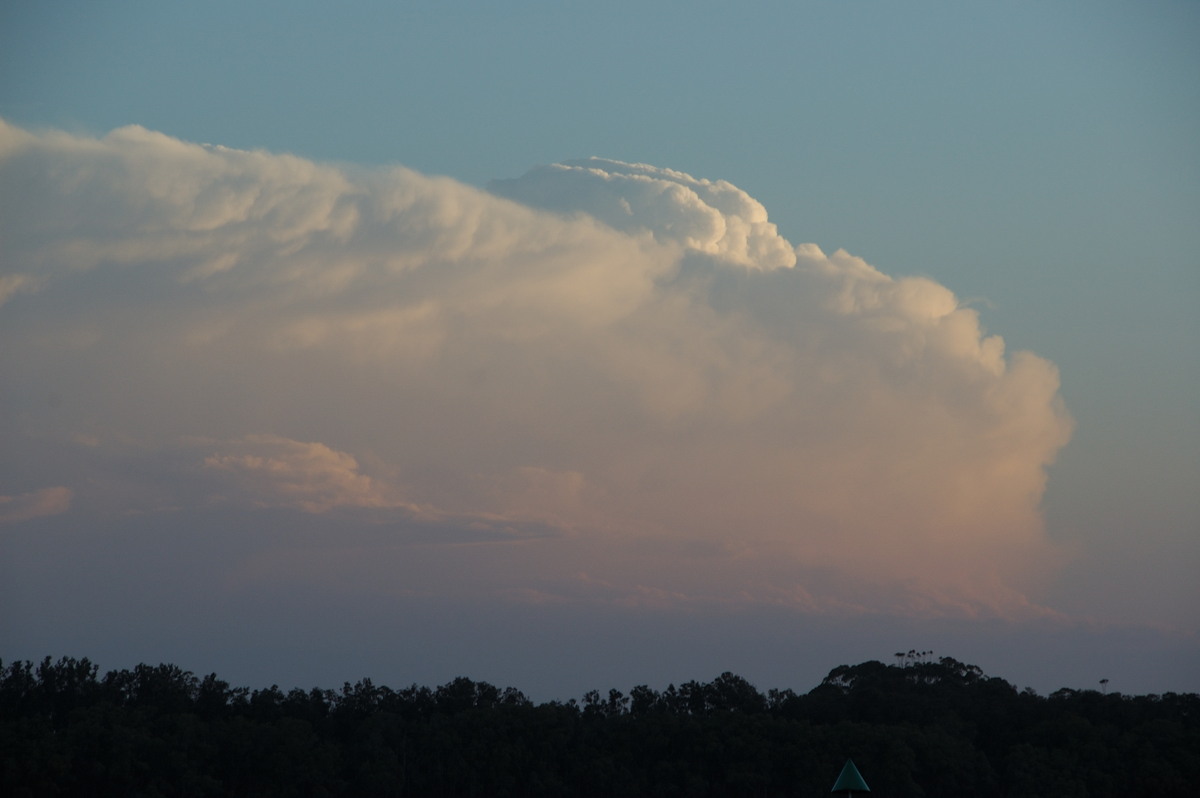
(311,476)
(36,504)
(640,361)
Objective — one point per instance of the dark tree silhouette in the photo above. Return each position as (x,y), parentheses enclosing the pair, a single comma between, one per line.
(918,728)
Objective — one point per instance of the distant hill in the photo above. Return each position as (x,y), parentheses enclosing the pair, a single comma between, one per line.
(916,728)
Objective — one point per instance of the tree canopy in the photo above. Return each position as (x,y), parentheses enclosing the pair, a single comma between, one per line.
(916,728)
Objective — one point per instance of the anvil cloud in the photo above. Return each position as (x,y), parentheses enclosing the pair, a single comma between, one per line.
(618,380)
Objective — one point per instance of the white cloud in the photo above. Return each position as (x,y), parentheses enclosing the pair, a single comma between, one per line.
(714,217)
(676,373)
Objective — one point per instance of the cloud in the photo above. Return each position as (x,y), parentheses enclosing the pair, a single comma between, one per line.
(38,504)
(633,357)
(714,217)
(280,472)
(10,284)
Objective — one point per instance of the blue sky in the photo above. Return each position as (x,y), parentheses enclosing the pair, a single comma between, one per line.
(1038,160)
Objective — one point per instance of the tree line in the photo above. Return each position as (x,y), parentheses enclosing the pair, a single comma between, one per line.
(918,728)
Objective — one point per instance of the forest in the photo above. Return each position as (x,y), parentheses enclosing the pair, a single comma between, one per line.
(919,727)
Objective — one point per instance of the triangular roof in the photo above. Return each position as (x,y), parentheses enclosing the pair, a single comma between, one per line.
(850,780)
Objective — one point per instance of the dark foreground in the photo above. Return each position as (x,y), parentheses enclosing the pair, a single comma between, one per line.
(917,729)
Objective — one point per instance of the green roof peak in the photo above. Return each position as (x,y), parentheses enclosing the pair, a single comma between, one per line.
(850,780)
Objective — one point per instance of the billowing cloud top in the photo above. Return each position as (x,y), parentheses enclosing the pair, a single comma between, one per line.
(626,359)
(717,218)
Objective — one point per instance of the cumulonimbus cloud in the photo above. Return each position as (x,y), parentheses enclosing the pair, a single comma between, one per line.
(714,217)
(626,353)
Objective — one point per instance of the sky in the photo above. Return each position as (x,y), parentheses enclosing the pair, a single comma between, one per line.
(574,345)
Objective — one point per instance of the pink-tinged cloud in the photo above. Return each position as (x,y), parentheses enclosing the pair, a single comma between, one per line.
(625,354)
(36,504)
(276,471)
